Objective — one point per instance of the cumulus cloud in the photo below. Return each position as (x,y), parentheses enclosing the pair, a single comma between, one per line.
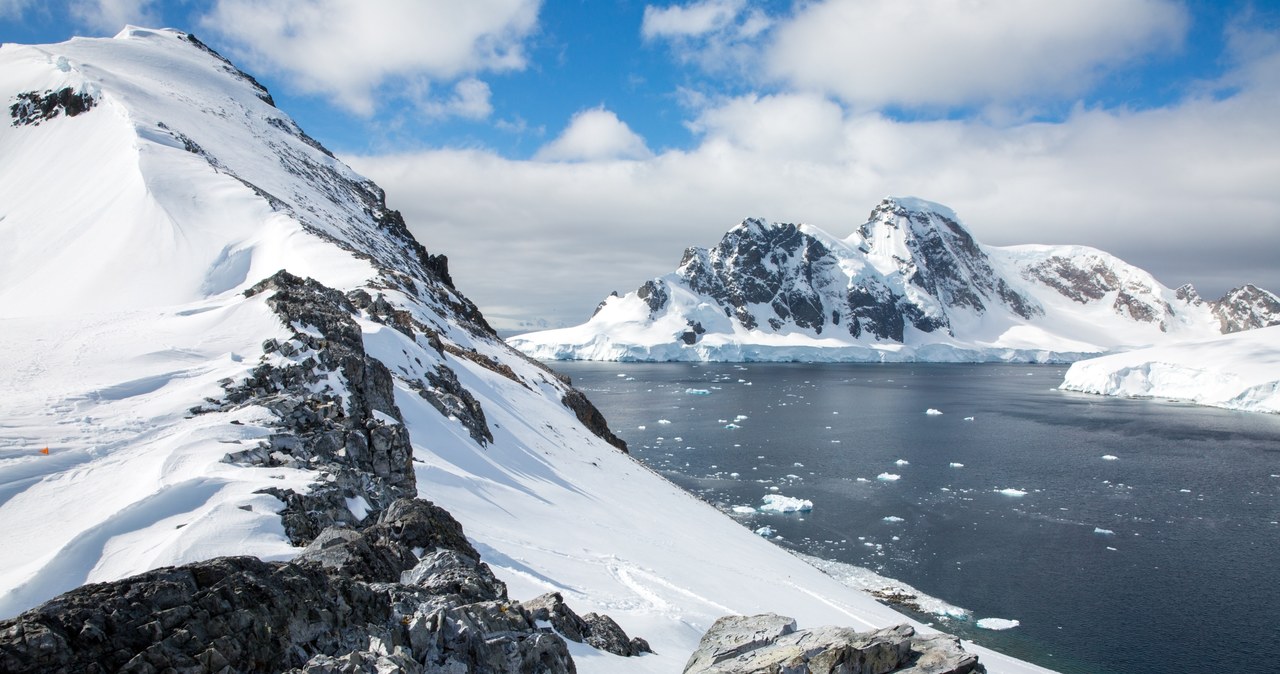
(717,35)
(349,49)
(872,53)
(595,134)
(1176,191)
(698,18)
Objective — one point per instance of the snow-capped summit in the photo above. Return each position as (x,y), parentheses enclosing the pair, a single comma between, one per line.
(911,283)
(217,339)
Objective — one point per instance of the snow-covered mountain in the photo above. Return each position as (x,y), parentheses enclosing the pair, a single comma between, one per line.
(216,339)
(1239,371)
(911,283)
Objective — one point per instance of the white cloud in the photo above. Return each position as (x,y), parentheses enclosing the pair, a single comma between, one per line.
(349,49)
(595,134)
(470,100)
(872,53)
(698,18)
(718,35)
(110,16)
(1187,192)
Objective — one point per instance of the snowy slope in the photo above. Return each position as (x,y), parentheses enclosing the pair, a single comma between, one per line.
(909,284)
(133,229)
(1239,371)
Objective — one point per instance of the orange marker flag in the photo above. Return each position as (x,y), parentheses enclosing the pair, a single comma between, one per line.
(45,450)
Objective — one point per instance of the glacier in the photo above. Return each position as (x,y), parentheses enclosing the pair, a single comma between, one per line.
(1240,371)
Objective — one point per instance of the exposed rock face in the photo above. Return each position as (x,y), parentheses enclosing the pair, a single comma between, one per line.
(591,417)
(335,407)
(594,629)
(770,643)
(34,107)
(1246,308)
(354,601)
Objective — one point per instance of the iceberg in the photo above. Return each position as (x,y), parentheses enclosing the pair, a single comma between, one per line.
(785,504)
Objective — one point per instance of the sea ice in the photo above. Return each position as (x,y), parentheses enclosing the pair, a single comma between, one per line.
(1012,492)
(893,518)
(968,418)
(664,422)
(956,465)
(732,426)
(785,504)
(697,392)
(765,531)
(887,477)
(902,462)
(744,510)
(1103,532)
(1109,457)
(640,427)
(997,623)
(932,412)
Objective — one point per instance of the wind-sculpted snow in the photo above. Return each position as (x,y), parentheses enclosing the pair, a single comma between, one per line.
(156,414)
(910,284)
(1237,371)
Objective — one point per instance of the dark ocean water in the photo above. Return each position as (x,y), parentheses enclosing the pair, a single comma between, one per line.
(1188,579)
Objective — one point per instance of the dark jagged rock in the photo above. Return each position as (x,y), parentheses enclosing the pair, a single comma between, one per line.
(653,295)
(592,418)
(452,399)
(361,444)
(599,631)
(768,643)
(33,107)
(355,601)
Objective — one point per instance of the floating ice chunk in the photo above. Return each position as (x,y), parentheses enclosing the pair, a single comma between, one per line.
(997,623)
(1184,491)
(744,510)
(863,479)
(1111,548)
(968,418)
(932,412)
(893,518)
(734,474)
(798,464)
(622,374)
(732,426)
(664,422)
(640,427)
(902,462)
(956,465)
(697,392)
(785,504)
(765,531)
(1103,532)
(1012,492)
(1109,457)
(741,417)
(887,477)
(773,488)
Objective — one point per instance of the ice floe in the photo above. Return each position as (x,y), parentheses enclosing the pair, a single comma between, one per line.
(785,504)
(997,623)
(888,477)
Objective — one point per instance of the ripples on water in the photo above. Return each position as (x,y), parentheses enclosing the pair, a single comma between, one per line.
(1152,561)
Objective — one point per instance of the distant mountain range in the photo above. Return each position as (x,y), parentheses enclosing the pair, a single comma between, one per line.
(909,284)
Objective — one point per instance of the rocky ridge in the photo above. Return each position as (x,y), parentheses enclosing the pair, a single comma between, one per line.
(406,593)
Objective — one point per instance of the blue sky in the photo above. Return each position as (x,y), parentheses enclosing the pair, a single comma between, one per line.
(568,148)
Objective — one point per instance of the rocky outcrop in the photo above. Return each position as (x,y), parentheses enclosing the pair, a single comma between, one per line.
(1246,308)
(591,417)
(594,629)
(33,107)
(407,593)
(770,643)
(335,410)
